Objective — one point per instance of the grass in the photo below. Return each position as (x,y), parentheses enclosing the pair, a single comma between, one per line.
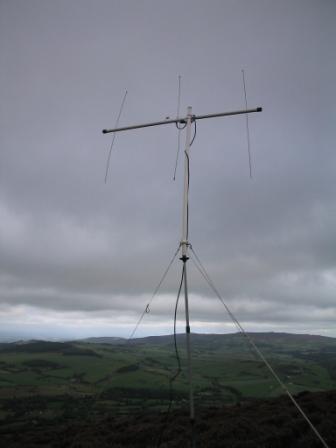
(105,378)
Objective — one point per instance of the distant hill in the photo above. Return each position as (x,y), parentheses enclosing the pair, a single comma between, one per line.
(104,340)
(36,347)
(267,339)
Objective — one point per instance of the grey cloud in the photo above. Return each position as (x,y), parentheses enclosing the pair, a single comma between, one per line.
(69,243)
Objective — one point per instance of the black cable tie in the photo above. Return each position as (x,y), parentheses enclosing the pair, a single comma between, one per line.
(147,310)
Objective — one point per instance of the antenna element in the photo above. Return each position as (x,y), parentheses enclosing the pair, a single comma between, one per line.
(247,127)
(114,136)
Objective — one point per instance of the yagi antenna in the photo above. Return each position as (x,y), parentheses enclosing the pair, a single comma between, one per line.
(185,122)
(185,246)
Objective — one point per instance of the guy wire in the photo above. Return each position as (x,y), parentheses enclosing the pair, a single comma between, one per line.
(114,136)
(206,276)
(147,308)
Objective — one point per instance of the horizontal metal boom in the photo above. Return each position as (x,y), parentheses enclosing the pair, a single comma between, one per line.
(182,120)
(224,114)
(146,125)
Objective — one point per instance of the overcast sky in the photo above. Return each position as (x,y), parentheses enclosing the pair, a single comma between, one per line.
(81,258)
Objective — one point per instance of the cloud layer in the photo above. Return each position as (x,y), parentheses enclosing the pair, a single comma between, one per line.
(79,257)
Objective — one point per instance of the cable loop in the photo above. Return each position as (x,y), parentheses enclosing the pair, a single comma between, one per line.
(182,127)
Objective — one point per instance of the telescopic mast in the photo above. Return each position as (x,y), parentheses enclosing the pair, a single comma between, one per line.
(184,245)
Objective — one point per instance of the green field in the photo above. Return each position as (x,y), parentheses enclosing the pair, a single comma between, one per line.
(79,379)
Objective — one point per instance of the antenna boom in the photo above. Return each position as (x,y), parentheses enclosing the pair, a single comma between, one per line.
(182,120)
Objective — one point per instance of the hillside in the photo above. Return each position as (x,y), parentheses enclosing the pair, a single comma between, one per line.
(264,424)
(53,383)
